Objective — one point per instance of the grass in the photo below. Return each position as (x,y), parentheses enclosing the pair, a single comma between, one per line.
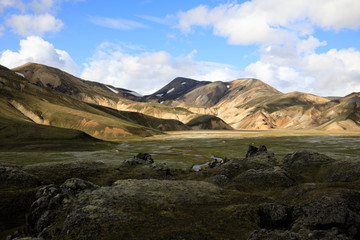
(184,149)
(204,119)
(284,103)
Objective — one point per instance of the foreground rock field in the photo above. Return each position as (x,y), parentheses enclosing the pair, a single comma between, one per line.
(305,195)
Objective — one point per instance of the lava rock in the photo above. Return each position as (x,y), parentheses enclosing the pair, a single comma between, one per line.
(253,151)
(49,200)
(338,210)
(264,234)
(263,179)
(86,211)
(274,216)
(10,175)
(307,166)
(140,158)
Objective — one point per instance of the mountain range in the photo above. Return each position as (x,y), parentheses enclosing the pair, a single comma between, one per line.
(45,101)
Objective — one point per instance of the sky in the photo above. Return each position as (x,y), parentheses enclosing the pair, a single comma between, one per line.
(299,45)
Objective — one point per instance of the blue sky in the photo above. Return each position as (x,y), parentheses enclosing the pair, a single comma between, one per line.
(298,45)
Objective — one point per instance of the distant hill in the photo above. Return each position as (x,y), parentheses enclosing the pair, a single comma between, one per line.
(242,104)
(208,122)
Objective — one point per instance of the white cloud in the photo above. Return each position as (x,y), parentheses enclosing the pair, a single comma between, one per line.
(283,78)
(309,45)
(35,49)
(335,72)
(37,6)
(43,6)
(167,20)
(272,22)
(335,14)
(116,23)
(283,29)
(29,25)
(149,71)
(10,3)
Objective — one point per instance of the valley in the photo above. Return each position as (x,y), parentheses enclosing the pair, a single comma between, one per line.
(198,159)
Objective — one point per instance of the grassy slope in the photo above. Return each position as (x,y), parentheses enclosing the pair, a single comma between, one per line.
(60,110)
(208,122)
(145,120)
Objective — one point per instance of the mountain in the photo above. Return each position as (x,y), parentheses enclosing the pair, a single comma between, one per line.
(176,88)
(243,103)
(83,90)
(34,111)
(100,94)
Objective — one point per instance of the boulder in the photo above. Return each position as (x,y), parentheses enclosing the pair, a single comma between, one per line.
(307,166)
(337,211)
(11,175)
(252,150)
(140,158)
(263,180)
(261,154)
(344,171)
(273,216)
(49,200)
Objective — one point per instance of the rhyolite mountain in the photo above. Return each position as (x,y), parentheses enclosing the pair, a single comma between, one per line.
(243,103)
(45,110)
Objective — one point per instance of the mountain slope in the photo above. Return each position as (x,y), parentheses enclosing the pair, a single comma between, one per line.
(101,94)
(88,91)
(30,103)
(243,103)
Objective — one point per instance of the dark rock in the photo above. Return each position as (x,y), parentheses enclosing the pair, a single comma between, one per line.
(262,153)
(42,211)
(10,175)
(339,210)
(273,216)
(233,167)
(307,166)
(264,234)
(73,186)
(252,150)
(161,169)
(262,149)
(49,200)
(304,158)
(140,158)
(332,234)
(144,156)
(344,171)
(263,179)
(90,212)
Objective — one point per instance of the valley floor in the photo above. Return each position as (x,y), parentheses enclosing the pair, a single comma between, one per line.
(308,189)
(256,133)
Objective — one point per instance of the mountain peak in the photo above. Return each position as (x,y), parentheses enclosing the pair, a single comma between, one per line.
(177,87)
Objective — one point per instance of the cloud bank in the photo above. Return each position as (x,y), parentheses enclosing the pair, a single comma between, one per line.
(148,71)
(35,49)
(284,30)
